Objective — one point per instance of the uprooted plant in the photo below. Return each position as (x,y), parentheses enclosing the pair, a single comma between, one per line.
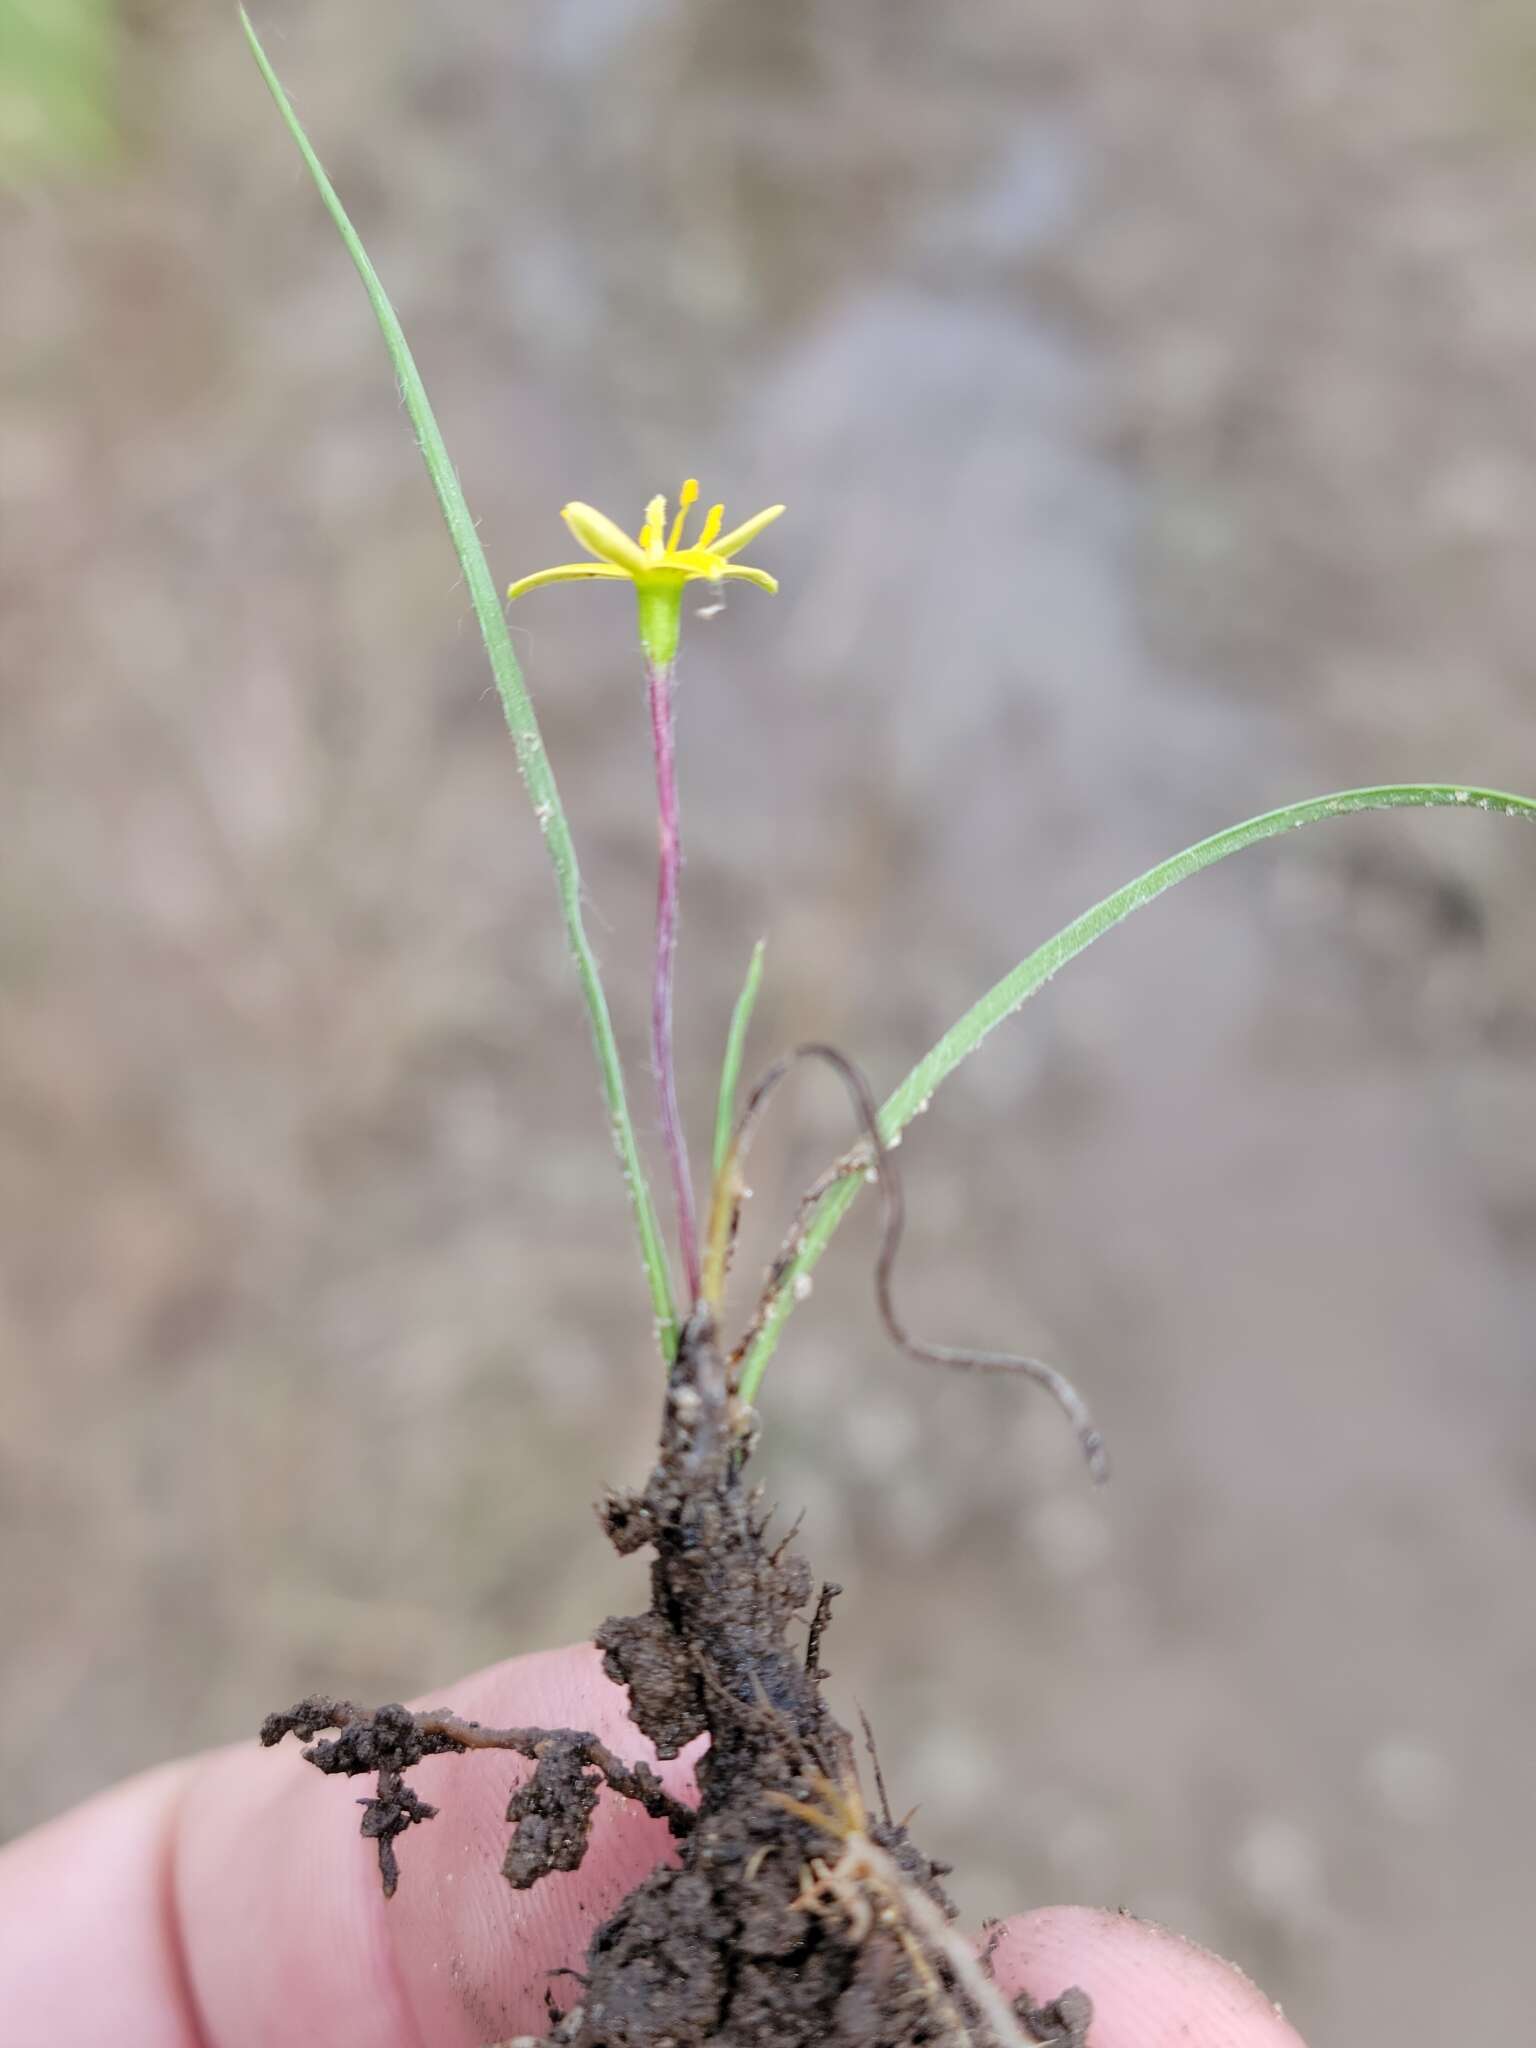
(792,1914)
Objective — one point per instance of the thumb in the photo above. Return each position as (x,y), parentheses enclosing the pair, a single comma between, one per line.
(1150,1988)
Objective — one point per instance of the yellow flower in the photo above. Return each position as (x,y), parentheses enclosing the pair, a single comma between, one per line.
(658,564)
(658,559)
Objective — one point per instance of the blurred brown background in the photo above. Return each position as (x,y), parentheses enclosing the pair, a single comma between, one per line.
(1151,388)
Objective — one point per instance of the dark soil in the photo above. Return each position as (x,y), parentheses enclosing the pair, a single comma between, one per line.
(794,1916)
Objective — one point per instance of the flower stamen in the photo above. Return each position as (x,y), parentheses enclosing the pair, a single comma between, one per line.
(686,498)
(655,526)
(714,519)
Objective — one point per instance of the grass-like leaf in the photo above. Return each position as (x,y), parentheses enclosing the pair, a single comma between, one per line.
(538,776)
(1032,974)
(735,1045)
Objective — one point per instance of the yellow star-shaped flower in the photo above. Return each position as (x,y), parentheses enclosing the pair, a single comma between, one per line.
(658,564)
(658,558)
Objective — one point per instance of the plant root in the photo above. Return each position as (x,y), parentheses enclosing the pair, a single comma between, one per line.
(794,1918)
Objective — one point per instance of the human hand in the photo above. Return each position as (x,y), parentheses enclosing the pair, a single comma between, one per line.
(226,1902)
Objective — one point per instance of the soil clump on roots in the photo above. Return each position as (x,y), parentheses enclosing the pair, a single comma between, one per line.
(794,1917)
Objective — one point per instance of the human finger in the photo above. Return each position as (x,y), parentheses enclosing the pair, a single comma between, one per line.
(228,1902)
(1150,1988)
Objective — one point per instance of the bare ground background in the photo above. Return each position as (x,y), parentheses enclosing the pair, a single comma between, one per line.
(1151,390)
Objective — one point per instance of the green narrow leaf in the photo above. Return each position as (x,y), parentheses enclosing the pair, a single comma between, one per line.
(735,1044)
(1031,975)
(538,776)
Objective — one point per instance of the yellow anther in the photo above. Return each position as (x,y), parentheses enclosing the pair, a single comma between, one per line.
(686,497)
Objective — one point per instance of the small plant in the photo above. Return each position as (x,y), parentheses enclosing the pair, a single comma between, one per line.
(793,1915)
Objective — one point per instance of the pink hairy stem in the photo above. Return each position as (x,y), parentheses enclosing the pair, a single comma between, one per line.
(659,677)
